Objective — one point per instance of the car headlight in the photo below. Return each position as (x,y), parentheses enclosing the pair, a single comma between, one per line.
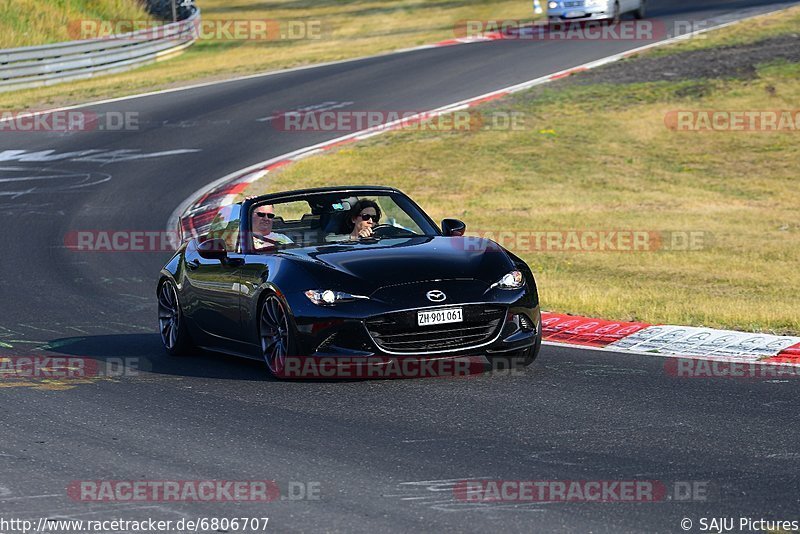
(552,5)
(513,280)
(328,297)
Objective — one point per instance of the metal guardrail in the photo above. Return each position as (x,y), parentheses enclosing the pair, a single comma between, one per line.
(36,66)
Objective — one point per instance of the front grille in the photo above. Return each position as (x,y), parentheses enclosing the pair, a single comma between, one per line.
(398,332)
(578,3)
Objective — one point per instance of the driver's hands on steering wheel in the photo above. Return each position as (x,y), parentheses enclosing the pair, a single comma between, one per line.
(266,242)
(382,230)
(365,232)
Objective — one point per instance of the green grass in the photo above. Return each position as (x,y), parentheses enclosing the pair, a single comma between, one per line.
(600,157)
(36,22)
(786,22)
(349,28)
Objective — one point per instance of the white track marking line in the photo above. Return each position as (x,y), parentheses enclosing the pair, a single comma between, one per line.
(664,355)
(308,67)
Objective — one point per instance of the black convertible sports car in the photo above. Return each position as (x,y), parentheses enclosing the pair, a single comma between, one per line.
(349,272)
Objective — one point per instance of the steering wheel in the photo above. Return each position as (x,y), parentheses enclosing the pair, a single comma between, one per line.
(380,230)
(390,230)
(264,239)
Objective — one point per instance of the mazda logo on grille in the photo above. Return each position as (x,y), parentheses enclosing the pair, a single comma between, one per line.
(436,296)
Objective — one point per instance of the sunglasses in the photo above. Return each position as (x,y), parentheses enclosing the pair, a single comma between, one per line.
(366,216)
(267,215)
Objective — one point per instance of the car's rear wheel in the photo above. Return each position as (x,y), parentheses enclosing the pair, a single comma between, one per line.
(642,11)
(171,323)
(277,342)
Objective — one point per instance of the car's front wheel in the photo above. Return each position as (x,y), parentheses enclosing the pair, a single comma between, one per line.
(277,341)
(616,16)
(171,323)
(518,359)
(642,11)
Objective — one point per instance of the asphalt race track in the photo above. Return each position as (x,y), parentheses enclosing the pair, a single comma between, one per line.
(383,455)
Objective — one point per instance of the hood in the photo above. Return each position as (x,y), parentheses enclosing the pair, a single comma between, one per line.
(366,266)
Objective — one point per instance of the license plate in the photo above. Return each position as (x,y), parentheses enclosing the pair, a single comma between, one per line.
(574,14)
(443,316)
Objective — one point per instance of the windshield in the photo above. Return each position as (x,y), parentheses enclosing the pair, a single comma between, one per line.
(321,219)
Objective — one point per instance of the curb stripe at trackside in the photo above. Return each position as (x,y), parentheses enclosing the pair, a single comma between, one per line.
(585,331)
(568,73)
(670,340)
(192,215)
(787,355)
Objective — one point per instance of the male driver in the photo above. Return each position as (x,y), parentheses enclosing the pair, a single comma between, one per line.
(263,236)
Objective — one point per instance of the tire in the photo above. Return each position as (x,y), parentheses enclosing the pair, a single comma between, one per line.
(517,360)
(276,333)
(617,16)
(521,358)
(172,325)
(641,12)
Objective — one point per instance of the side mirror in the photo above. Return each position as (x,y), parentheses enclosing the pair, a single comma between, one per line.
(213,249)
(453,227)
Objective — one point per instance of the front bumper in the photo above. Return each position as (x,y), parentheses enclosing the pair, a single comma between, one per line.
(517,328)
(578,11)
(367,338)
(350,352)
